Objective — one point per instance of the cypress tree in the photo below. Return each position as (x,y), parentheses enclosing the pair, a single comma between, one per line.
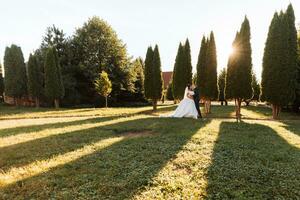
(179,82)
(221,86)
(280,62)
(1,82)
(210,90)
(35,79)
(201,66)
(239,70)
(54,88)
(153,76)
(148,73)
(15,73)
(188,63)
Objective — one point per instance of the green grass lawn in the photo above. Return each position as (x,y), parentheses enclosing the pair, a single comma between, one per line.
(131,153)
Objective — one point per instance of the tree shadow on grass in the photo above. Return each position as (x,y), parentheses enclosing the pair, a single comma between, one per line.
(293,126)
(38,149)
(250,161)
(116,172)
(34,128)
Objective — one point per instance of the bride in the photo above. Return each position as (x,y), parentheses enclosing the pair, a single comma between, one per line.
(186,107)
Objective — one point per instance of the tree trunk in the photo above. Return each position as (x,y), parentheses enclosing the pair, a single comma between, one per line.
(226,103)
(37,102)
(154,102)
(238,103)
(105,102)
(56,103)
(275,111)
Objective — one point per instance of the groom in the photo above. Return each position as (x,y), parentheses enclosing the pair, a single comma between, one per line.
(196,100)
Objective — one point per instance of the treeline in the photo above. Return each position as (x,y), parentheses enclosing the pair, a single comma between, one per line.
(64,69)
(280,84)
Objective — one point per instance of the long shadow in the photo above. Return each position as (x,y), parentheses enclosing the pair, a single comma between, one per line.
(38,149)
(293,126)
(116,172)
(34,128)
(250,161)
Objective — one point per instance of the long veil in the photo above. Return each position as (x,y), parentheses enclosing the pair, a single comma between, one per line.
(185,92)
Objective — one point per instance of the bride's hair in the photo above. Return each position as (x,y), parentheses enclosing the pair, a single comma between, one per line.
(188,86)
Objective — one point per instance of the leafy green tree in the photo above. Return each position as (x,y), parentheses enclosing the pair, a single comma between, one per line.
(239,69)
(15,73)
(179,82)
(54,88)
(1,82)
(98,48)
(221,86)
(280,62)
(35,79)
(103,85)
(153,76)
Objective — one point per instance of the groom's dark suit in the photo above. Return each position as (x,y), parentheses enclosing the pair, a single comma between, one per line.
(196,100)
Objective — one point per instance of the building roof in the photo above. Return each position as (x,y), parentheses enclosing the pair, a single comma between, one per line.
(167,76)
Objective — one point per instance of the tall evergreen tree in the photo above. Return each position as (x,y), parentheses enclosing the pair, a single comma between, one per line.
(1,82)
(221,86)
(210,90)
(280,62)
(296,104)
(54,88)
(148,73)
(35,79)
(179,82)
(15,73)
(239,70)
(153,76)
(188,63)
(201,66)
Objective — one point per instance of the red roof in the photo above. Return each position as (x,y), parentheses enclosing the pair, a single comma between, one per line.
(167,76)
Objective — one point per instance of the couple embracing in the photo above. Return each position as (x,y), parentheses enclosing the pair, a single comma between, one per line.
(189,106)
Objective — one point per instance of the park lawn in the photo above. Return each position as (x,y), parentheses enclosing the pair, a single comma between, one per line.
(131,153)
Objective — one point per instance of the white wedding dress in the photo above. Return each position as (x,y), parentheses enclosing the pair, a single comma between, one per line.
(186,107)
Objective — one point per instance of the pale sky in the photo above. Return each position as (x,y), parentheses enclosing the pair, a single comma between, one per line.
(140,23)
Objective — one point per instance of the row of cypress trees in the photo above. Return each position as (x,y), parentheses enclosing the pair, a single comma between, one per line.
(279,77)
(34,80)
(182,72)
(153,83)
